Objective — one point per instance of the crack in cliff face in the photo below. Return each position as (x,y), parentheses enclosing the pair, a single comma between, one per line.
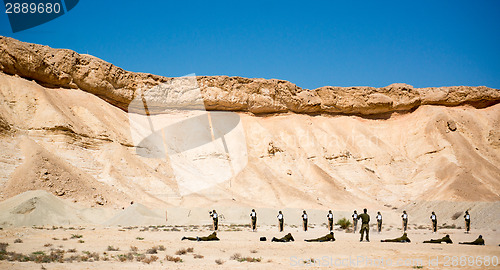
(68,69)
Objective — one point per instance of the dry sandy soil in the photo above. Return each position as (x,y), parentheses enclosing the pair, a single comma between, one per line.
(346,250)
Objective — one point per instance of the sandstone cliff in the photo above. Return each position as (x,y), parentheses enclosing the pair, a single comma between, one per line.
(68,69)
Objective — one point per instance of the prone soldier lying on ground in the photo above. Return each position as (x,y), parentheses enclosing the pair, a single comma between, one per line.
(326,238)
(445,239)
(479,241)
(402,239)
(286,238)
(211,237)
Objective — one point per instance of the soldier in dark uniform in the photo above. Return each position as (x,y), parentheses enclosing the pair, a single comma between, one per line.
(281,220)
(211,237)
(404,216)
(326,238)
(445,239)
(467,221)
(215,218)
(434,222)
(286,238)
(355,220)
(253,217)
(304,220)
(402,239)
(379,222)
(365,227)
(479,241)
(330,220)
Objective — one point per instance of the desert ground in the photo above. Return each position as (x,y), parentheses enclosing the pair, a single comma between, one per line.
(91,247)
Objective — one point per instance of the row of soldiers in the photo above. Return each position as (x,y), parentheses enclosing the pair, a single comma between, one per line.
(364,217)
(330,238)
(365,228)
(404,218)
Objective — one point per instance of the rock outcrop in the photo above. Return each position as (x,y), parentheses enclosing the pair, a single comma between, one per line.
(68,69)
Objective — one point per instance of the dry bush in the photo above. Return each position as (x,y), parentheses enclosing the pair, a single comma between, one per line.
(73,236)
(111,248)
(151,259)
(173,259)
(18,240)
(71,250)
(219,261)
(152,250)
(3,247)
(161,248)
(47,245)
(81,241)
(253,251)
(235,256)
(181,251)
(133,248)
(198,256)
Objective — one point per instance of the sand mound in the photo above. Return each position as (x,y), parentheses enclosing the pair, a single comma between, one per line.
(44,170)
(137,215)
(39,208)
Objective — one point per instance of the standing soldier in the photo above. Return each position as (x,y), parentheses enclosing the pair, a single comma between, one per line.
(405,220)
(330,220)
(304,220)
(434,222)
(215,218)
(365,227)
(280,220)
(253,216)
(355,220)
(467,221)
(379,222)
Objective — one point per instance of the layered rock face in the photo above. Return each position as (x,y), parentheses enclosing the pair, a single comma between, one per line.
(68,69)
(64,127)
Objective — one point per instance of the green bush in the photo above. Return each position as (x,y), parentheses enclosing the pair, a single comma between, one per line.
(344,223)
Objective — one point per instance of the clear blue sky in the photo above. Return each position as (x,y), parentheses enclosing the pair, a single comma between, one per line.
(312,44)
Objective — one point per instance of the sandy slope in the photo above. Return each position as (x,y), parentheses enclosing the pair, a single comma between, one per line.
(344,162)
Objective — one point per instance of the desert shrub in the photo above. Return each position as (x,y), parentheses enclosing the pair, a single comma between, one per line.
(139,238)
(3,248)
(81,241)
(190,250)
(198,256)
(173,259)
(219,261)
(150,259)
(73,236)
(253,251)
(133,248)
(161,247)
(181,251)
(152,250)
(343,223)
(235,256)
(111,248)
(71,250)
(18,240)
